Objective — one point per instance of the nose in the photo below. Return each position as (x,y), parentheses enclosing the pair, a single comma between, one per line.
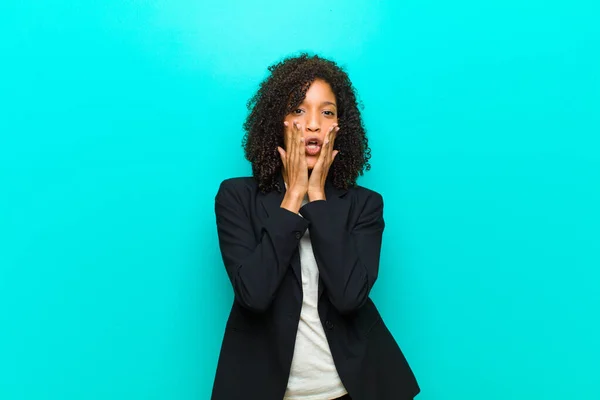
(312,124)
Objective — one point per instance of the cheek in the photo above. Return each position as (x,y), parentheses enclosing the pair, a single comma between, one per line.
(333,121)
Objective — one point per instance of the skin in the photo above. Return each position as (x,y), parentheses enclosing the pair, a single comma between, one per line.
(315,118)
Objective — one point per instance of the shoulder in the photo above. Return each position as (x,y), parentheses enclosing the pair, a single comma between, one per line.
(363,194)
(239,182)
(236,187)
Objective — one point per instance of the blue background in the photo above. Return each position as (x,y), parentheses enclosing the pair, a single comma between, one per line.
(118,120)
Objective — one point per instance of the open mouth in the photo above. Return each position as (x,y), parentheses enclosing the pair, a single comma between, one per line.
(313,147)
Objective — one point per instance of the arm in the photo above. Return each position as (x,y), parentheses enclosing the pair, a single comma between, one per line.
(255,269)
(348,260)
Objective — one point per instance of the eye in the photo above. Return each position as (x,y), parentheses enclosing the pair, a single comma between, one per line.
(297,111)
(329,113)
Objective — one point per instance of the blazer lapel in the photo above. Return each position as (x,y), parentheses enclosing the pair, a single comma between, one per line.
(335,197)
(272,201)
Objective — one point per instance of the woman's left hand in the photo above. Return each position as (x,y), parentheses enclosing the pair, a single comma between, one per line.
(316,182)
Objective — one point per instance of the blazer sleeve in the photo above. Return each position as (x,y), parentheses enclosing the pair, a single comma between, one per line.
(255,268)
(348,258)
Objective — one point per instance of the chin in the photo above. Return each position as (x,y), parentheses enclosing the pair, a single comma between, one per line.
(311,162)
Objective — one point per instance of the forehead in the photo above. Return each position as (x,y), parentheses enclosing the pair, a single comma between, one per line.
(319,91)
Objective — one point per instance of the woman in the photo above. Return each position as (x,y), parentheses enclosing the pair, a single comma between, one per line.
(301,243)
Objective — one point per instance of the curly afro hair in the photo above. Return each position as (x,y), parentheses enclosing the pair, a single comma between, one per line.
(280,93)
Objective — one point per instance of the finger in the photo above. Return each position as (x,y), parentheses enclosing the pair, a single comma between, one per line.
(284,163)
(322,156)
(287,135)
(301,147)
(336,132)
(329,136)
(282,154)
(333,133)
(292,152)
(294,134)
(302,153)
(293,137)
(328,144)
(296,127)
(299,139)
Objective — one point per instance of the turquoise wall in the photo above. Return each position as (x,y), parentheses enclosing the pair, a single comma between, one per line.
(118,120)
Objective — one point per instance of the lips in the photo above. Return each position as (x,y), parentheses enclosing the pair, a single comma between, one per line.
(313,146)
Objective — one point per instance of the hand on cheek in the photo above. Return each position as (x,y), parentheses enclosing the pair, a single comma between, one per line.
(295,169)
(318,177)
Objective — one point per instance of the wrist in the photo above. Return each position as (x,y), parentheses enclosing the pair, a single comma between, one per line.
(316,195)
(295,193)
(292,201)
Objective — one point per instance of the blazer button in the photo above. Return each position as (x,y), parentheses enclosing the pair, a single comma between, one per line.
(329,324)
(298,235)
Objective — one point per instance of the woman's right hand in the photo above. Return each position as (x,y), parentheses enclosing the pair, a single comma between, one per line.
(295,169)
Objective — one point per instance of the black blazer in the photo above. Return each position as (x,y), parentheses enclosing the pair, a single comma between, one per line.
(259,244)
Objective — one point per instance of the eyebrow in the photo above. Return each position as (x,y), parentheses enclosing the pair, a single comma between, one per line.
(324,103)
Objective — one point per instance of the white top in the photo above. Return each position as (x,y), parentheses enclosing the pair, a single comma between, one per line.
(313,375)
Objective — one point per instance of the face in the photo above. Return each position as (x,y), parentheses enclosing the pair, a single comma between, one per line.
(315,114)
